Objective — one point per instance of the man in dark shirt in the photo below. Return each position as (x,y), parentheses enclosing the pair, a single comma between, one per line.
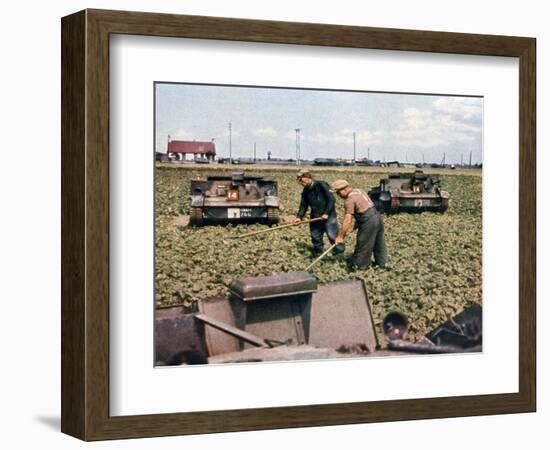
(317,197)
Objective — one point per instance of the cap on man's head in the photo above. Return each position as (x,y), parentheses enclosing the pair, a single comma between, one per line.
(304,173)
(338,185)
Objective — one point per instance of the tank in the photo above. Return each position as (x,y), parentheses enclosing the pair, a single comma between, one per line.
(234,199)
(410,192)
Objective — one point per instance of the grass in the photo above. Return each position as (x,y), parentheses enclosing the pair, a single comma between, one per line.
(434,259)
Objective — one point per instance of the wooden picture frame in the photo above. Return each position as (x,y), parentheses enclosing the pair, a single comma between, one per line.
(85,224)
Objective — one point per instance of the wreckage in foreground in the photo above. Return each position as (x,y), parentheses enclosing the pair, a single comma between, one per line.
(290,317)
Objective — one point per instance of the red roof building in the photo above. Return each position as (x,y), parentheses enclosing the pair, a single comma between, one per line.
(194,149)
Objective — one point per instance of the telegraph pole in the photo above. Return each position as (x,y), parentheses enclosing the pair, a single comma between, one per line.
(230,153)
(354,158)
(297,146)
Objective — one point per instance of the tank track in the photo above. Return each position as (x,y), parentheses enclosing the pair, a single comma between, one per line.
(195,218)
(272,216)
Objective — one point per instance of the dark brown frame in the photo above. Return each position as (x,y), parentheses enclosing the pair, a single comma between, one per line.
(85,224)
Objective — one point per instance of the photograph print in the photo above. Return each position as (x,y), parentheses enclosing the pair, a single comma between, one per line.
(308,224)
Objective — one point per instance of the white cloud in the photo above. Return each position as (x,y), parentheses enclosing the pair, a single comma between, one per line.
(449,121)
(290,134)
(345,137)
(182,135)
(324,138)
(376,137)
(462,107)
(234,132)
(265,132)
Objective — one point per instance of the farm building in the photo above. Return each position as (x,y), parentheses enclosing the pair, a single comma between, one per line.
(191,150)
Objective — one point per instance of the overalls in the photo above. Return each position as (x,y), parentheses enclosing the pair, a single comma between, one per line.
(370,239)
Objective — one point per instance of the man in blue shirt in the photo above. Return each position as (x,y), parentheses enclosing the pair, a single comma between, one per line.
(317,197)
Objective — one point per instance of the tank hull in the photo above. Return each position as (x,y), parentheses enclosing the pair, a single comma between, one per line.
(412,193)
(235,199)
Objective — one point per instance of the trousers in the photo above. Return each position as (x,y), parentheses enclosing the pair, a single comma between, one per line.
(370,239)
(318,230)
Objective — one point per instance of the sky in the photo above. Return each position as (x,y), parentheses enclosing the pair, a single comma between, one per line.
(391,126)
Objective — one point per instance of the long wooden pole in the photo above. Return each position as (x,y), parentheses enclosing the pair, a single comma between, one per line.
(233,331)
(325,253)
(280,227)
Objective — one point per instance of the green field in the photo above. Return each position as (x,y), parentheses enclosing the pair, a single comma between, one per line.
(435,259)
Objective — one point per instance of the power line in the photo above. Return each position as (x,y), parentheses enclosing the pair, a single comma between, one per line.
(298,146)
(230,153)
(354,156)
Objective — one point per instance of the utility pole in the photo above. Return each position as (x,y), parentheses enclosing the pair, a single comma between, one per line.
(230,153)
(470,165)
(368,153)
(461,162)
(297,146)
(254,152)
(354,158)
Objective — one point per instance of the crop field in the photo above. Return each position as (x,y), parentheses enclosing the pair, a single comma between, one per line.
(434,268)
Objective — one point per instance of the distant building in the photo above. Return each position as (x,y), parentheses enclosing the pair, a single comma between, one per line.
(191,150)
(161,157)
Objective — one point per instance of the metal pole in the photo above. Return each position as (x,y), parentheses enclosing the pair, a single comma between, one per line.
(354,156)
(230,153)
(297,146)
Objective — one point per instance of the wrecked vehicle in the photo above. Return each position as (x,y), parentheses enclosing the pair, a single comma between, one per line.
(280,317)
(234,199)
(290,316)
(409,192)
(460,334)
